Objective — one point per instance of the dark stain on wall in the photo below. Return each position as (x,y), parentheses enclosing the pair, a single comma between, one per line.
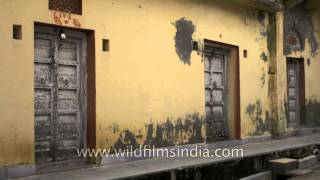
(114,128)
(298,27)
(126,139)
(271,34)
(308,62)
(263,78)
(183,130)
(312,110)
(183,39)
(274,4)
(261,16)
(255,112)
(264,57)
(285,105)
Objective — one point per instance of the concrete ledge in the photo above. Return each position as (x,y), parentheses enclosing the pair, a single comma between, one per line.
(304,131)
(142,168)
(3,174)
(17,171)
(211,146)
(307,162)
(267,175)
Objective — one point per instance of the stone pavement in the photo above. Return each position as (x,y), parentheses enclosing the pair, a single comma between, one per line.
(156,165)
(314,175)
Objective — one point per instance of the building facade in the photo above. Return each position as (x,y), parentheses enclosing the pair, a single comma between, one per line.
(112,74)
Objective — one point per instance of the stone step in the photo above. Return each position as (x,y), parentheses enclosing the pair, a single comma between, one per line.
(283,165)
(298,172)
(267,175)
(307,162)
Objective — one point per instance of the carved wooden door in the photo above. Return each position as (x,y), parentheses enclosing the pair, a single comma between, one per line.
(59,95)
(215,62)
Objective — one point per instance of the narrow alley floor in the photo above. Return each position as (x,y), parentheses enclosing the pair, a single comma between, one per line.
(158,165)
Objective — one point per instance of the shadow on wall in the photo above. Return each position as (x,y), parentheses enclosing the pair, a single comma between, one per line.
(183,130)
(312,110)
(255,113)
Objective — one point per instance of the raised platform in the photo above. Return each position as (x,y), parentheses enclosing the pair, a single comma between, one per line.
(158,165)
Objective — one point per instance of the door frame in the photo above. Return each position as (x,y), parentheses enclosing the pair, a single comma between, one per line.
(88,88)
(234,50)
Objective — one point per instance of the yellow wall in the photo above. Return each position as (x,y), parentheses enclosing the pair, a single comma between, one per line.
(141,79)
(312,87)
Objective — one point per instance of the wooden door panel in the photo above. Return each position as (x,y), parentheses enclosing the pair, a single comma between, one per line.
(217,64)
(215,92)
(217,80)
(208,97)
(42,127)
(217,96)
(68,126)
(217,113)
(207,80)
(68,100)
(68,52)
(57,84)
(67,77)
(42,99)
(292,81)
(42,75)
(292,93)
(43,45)
(43,49)
(292,104)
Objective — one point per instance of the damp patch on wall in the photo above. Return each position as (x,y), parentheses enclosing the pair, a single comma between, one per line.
(297,28)
(264,57)
(188,129)
(183,39)
(263,78)
(312,111)
(261,123)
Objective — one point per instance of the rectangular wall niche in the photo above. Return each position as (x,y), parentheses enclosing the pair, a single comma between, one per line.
(105,44)
(68,6)
(17,31)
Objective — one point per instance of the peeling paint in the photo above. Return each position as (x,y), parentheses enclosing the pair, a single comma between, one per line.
(274,4)
(183,39)
(183,130)
(263,78)
(298,27)
(264,57)
(261,18)
(271,34)
(312,112)
(255,113)
(67,19)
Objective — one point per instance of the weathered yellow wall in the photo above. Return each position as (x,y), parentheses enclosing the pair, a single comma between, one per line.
(141,79)
(312,65)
